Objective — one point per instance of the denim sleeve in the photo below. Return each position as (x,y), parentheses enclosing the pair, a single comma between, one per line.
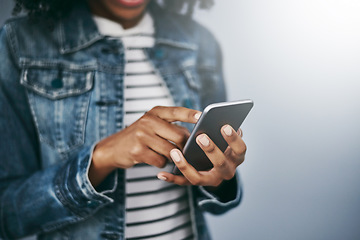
(33,199)
(225,198)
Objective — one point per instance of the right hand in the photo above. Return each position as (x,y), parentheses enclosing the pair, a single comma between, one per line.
(148,140)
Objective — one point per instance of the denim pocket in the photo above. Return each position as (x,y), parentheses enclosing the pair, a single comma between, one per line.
(59,100)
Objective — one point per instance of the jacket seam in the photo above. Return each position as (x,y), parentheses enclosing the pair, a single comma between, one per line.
(26,62)
(10,45)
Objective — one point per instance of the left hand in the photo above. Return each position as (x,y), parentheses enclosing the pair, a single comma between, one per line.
(225,163)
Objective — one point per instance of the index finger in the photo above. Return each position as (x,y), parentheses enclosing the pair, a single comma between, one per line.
(173,114)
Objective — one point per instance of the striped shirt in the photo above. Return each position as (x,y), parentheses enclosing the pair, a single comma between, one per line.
(154,209)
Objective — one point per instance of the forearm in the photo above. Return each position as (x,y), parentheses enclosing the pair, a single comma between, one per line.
(99,169)
(49,199)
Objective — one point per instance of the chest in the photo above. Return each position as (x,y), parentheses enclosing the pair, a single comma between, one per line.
(78,99)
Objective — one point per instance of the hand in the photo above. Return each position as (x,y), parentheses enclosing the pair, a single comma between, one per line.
(225,164)
(145,141)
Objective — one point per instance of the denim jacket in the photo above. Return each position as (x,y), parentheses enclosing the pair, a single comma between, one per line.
(60,93)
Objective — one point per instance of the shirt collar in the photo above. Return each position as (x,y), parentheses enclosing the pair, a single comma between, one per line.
(110,28)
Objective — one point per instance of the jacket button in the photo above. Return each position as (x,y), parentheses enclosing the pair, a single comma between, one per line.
(57,83)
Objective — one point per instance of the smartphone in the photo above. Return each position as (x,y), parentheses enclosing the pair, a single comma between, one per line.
(210,122)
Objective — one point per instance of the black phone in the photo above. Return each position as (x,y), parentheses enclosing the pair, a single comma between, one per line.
(210,122)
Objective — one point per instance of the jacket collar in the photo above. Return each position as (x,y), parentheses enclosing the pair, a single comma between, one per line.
(172,29)
(78,30)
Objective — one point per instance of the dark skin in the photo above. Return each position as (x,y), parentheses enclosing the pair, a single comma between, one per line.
(154,139)
(111,9)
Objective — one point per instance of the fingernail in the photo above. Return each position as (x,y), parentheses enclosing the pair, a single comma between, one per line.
(162,177)
(197,116)
(228,131)
(175,156)
(204,140)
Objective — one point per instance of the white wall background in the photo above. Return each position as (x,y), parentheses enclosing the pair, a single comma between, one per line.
(300,62)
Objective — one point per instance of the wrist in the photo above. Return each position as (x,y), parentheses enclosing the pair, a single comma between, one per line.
(100,168)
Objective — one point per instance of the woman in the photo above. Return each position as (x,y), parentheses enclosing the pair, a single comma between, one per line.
(81,134)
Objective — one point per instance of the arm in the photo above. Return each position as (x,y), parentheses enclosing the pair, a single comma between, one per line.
(32,199)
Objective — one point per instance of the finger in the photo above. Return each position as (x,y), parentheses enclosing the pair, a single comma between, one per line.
(174,133)
(184,133)
(240,132)
(176,179)
(173,114)
(149,157)
(153,124)
(236,143)
(159,145)
(190,173)
(216,156)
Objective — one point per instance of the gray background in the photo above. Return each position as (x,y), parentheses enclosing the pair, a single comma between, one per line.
(299,62)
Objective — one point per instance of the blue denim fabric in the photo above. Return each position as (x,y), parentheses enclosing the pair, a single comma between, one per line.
(60,93)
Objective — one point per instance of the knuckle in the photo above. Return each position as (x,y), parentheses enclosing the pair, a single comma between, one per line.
(240,152)
(139,134)
(173,111)
(146,119)
(195,181)
(136,151)
(181,137)
(182,167)
(156,109)
(233,138)
(210,148)
(238,158)
(221,164)
(191,114)
(184,130)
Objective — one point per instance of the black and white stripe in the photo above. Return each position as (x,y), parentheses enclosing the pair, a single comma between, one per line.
(154,209)
(144,89)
